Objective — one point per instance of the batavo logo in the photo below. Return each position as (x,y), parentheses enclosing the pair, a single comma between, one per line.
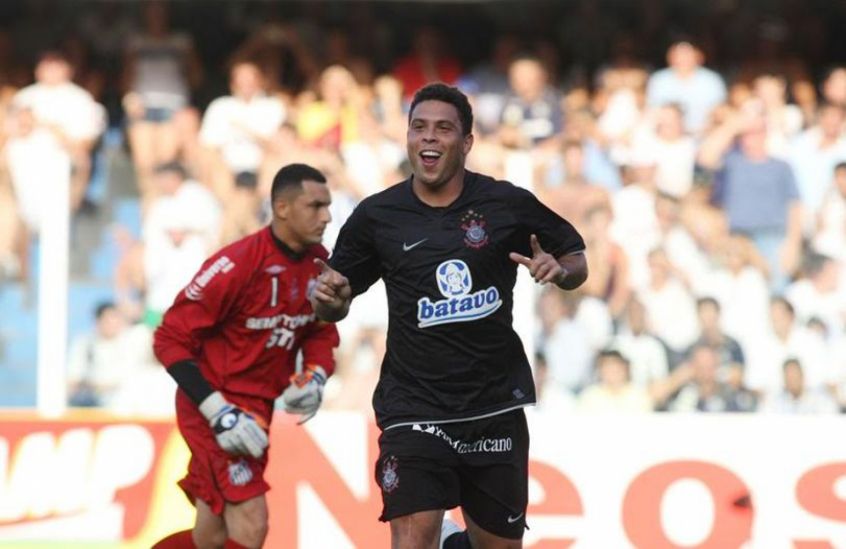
(81,480)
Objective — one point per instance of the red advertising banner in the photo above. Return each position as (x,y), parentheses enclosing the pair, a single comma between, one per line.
(652,482)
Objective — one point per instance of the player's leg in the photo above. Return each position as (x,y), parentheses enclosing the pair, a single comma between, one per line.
(209,529)
(494,485)
(246,522)
(479,538)
(419,530)
(417,475)
(209,532)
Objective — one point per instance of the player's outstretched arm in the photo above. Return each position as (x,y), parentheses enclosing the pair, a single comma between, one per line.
(332,294)
(567,272)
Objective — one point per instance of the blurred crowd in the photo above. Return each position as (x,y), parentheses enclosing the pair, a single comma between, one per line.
(712,196)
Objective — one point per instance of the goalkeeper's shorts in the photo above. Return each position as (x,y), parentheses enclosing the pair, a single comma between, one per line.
(214,476)
(481,465)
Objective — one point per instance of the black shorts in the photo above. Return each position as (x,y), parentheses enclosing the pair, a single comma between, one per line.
(481,465)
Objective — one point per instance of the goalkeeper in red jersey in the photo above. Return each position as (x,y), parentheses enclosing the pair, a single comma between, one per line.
(231,341)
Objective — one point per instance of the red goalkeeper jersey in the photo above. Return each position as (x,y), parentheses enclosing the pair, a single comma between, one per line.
(245,316)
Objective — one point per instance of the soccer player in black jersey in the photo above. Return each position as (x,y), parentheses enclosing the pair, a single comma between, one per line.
(447,243)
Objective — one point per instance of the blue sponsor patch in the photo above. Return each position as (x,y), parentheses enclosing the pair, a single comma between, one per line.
(460,303)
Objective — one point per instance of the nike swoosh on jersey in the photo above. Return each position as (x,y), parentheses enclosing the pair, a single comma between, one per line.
(406,247)
(514,519)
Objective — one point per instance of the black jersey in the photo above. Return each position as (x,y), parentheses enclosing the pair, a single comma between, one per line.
(452,353)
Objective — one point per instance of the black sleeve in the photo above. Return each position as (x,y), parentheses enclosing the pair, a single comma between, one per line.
(355,254)
(188,377)
(555,234)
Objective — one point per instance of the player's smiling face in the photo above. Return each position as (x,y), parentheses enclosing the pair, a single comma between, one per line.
(437,145)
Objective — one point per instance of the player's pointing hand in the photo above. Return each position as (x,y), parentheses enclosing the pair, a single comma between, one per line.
(542,265)
(332,289)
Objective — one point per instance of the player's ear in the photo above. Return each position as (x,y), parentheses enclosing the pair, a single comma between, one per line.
(281,207)
(468,143)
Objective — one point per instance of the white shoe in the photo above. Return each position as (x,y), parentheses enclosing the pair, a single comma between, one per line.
(448,528)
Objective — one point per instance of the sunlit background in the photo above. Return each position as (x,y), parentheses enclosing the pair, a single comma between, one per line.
(690,391)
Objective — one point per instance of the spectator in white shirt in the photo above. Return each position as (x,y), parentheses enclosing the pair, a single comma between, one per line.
(740,287)
(670,308)
(613,392)
(830,237)
(235,132)
(67,122)
(647,357)
(795,398)
(817,294)
(667,146)
(102,363)
(786,339)
(814,154)
(686,82)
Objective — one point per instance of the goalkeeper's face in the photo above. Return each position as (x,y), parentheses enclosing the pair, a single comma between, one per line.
(437,145)
(304,214)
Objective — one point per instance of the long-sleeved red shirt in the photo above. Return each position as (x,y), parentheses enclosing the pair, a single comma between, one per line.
(244,318)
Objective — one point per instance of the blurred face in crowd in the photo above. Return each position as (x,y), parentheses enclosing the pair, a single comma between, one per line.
(669,123)
(735,254)
(794,380)
(246,80)
(831,121)
(782,318)
(636,317)
(705,363)
(437,146)
(303,214)
(666,210)
(336,85)
(684,57)
(613,372)
(753,138)
(110,323)
(659,267)
(709,316)
(53,71)
(527,78)
(770,89)
(574,158)
(834,87)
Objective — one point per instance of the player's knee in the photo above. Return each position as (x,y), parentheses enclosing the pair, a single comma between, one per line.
(249,530)
(210,537)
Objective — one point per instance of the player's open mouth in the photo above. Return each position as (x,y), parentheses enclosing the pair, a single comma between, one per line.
(429,158)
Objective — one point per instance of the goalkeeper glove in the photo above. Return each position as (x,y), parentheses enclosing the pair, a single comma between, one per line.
(305,393)
(235,430)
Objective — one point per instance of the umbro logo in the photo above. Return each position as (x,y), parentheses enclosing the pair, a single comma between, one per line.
(407,247)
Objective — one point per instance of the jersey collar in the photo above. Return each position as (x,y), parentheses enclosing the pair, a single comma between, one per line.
(285,249)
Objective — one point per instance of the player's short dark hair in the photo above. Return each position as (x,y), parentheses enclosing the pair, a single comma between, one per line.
(448,94)
(840,166)
(292,177)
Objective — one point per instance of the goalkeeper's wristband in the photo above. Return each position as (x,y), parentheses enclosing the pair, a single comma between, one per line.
(188,377)
(213,405)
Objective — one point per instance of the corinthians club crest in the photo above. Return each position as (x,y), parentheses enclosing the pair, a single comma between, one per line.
(390,478)
(473,224)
